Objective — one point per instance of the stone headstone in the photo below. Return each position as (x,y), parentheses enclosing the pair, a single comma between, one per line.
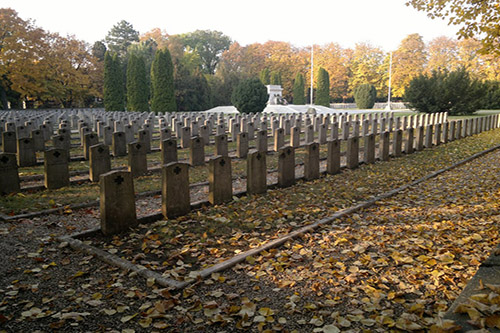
(56,170)
(419,138)
(26,155)
(279,138)
(185,137)
(117,202)
(118,144)
(9,175)
(261,142)
(369,149)
(428,135)
(242,145)
(197,151)
(99,162)
(311,161)
(352,153)
(220,183)
(9,142)
(384,146)
(168,151)
(309,134)
(89,139)
(137,160)
(221,145)
(286,166)
(397,146)
(256,172)
(409,141)
(333,157)
(175,190)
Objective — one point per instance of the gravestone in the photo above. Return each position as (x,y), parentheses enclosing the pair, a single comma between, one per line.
(165,134)
(384,146)
(168,151)
(397,144)
(409,141)
(309,134)
(56,170)
(38,140)
(185,137)
(137,160)
(352,152)
(286,166)
(145,139)
(9,142)
(437,134)
(89,139)
(261,142)
(175,190)
(419,138)
(242,145)
(100,161)
(118,144)
(279,138)
(117,202)
(256,172)
(333,157)
(369,149)
(221,145)
(428,136)
(295,137)
(311,161)
(26,155)
(197,151)
(220,183)
(9,175)
(107,134)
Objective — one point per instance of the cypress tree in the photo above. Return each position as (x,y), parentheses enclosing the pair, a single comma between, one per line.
(323,88)
(275,78)
(298,90)
(137,84)
(265,76)
(113,88)
(365,96)
(162,82)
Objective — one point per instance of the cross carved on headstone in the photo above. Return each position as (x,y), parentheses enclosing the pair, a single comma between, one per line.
(118,180)
(100,150)
(222,162)
(177,170)
(4,159)
(258,157)
(57,154)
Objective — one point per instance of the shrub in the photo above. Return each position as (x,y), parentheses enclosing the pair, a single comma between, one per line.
(298,90)
(365,96)
(323,88)
(250,96)
(453,92)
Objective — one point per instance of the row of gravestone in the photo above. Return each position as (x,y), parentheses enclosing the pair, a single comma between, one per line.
(117,200)
(100,159)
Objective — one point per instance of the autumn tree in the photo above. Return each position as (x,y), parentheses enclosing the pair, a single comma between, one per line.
(113,93)
(367,64)
(137,84)
(323,88)
(442,54)
(334,59)
(209,45)
(162,83)
(120,37)
(476,19)
(408,61)
(298,90)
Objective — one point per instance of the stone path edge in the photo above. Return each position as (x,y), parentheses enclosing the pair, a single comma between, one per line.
(173,284)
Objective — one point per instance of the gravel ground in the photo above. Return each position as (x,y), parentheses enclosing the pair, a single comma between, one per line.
(372,271)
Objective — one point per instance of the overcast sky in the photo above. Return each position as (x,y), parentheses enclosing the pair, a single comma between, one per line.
(382,23)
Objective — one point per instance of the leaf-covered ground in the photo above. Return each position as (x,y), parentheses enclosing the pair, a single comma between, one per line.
(395,266)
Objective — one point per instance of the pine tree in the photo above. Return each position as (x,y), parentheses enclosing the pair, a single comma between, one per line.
(298,90)
(162,83)
(323,88)
(137,84)
(113,87)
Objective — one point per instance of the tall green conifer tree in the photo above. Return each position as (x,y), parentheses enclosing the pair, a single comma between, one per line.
(162,83)
(137,84)
(298,90)
(113,88)
(323,88)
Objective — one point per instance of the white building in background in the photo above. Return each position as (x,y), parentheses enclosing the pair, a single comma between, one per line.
(275,94)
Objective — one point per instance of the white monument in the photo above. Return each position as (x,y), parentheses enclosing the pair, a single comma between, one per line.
(275,94)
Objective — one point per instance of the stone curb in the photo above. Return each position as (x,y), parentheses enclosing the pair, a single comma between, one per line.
(112,259)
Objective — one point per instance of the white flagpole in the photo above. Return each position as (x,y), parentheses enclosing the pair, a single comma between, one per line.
(388,107)
(312,66)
